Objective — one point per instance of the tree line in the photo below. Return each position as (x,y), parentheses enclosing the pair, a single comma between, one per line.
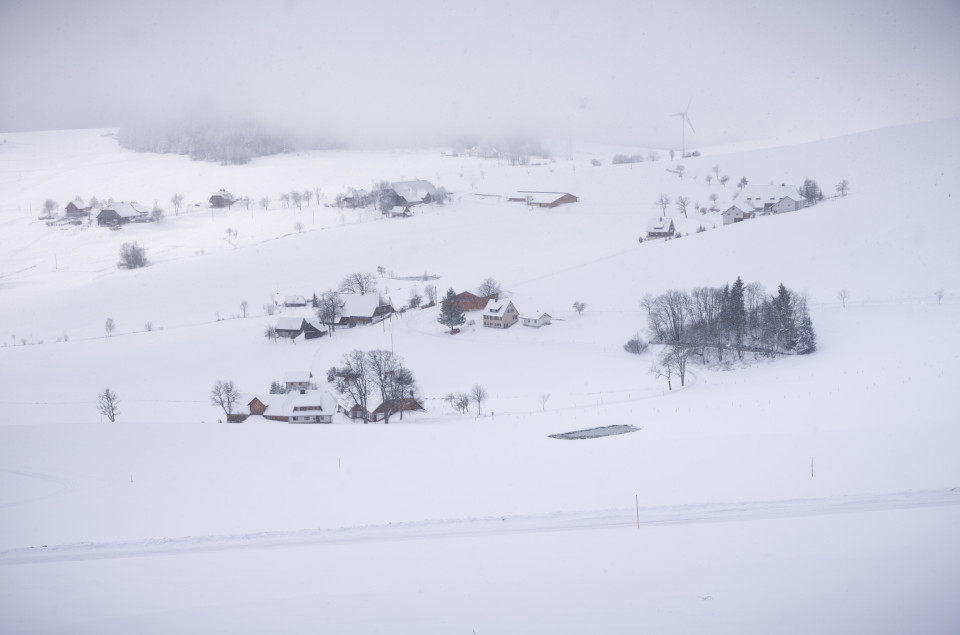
(735,318)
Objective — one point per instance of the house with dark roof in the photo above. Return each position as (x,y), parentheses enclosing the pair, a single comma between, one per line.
(660,227)
(543,199)
(408,193)
(222,198)
(122,213)
(363,309)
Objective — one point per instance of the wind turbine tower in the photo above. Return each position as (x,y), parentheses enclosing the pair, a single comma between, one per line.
(684,122)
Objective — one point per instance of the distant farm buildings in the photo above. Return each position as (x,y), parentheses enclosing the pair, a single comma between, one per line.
(543,199)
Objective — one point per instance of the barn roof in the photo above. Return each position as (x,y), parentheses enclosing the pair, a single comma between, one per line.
(414,191)
(289,323)
(359,305)
(127,210)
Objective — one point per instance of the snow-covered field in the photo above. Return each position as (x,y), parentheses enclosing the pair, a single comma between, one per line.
(810,494)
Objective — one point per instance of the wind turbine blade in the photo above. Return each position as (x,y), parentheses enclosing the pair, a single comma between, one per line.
(689,123)
(690,101)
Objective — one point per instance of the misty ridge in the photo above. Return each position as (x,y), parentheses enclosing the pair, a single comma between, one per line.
(237,139)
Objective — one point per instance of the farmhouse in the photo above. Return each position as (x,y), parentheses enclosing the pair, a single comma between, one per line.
(297,406)
(222,198)
(289,327)
(298,380)
(294,300)
(736,213)
(122,213)
(407,404)
(72,210)
(770,198)
(536,320)
(407,193)
(363,309)
(498,315)
(313,328)
(661,227)
(543,199)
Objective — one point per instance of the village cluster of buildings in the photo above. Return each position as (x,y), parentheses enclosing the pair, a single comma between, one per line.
(301,401)
(753,201)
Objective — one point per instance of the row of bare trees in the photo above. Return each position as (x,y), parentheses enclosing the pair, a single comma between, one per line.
(365,377)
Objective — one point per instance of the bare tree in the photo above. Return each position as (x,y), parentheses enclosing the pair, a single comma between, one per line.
(49,207)
(353,381)
(843,187)
(843,295)
(298,226)
(271,333)
(663,370)
(676,357)
(265,202)
(431,292)
(742,183)
(360,282)
(724,179)
(682,203)
(579,307)
(317,193)
(680,170)
(108,404)
(109,326)
(663,202)
(297,199)
(716,171)
(330,309)
(307,195)
(478,394)
(713,197)
(393,381)
(938,294)
(243,308)
(488,288)
(285,199)
(225,395)
(708,179)
(156,213)
(177,201)
(544,397)
(415,299)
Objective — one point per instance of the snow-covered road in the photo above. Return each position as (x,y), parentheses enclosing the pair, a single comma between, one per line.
(505,525)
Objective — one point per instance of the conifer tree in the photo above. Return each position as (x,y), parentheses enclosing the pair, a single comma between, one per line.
(806,337)
(451,315)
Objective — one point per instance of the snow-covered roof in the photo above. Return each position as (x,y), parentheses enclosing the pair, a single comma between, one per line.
(536,315)
(661,224)
(294,299)
(414,191)
(284,404)
(741,206)
(128,210)
(541,197)
(297,376)
(357,305)
(495,307)
(289,323)
(760,195)
(223,194)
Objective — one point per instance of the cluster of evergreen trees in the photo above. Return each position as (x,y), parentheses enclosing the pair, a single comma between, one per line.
(738,317)
(223,141)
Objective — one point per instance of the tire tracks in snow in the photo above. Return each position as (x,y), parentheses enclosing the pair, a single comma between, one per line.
(624,518)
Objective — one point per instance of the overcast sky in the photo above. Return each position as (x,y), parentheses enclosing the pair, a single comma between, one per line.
(424,71)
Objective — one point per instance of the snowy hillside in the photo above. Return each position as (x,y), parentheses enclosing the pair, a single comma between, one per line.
(808,494)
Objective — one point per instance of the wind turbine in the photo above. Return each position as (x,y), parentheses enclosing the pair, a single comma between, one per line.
(684,122)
